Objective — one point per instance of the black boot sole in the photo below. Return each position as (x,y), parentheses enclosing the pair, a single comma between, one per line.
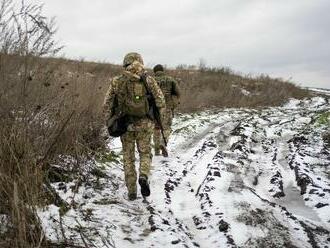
(145,189)
(132,197)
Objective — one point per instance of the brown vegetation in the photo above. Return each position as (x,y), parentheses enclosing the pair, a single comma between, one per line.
(42,115)
(221,88)
(51,107)
(46,111)
(201,88)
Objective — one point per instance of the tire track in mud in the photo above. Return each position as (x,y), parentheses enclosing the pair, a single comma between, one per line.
(269,146)
(208,219)
(208,145)
(176,177)
(309,228)
(165,221)
(240,150)
(277,180)
(209,153)
(233,176)
(299,146)
(212,170)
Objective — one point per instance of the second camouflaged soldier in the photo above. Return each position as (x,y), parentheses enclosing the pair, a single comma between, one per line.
(170,89)
(127,97)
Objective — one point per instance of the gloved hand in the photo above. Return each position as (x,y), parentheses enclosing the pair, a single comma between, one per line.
(157,126)
(111,118)
(110,121)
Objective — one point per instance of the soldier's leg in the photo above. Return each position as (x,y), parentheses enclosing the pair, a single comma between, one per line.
(167,125)
(143,141)
(169,120)
(156,138)
(144,148)
(128,143)
(167,133)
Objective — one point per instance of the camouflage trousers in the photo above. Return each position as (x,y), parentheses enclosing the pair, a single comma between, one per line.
(142,139)
(157,138)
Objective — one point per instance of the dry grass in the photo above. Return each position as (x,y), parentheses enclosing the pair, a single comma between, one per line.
(45,112)
(201,89)
(221,88)
(51,107)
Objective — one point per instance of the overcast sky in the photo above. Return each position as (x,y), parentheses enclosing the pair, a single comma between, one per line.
(282,38)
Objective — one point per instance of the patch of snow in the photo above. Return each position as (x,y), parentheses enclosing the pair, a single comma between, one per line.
(245,92)
(234,178)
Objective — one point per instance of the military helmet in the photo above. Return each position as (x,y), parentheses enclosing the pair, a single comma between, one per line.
(131,57)
(158,68)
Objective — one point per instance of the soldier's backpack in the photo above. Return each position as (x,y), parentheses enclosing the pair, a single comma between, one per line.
(135,98)
(166,85)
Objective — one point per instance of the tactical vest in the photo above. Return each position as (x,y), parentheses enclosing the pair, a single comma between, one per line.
(133,98)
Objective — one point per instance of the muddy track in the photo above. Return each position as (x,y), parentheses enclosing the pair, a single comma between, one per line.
(234,178)
(253,133)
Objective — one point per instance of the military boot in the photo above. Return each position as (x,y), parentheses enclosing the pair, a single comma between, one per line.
(132,196)
(164,151)
(145,189)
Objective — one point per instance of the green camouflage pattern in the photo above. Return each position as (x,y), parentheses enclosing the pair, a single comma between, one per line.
(140,131)
(117,95)
(171,91)
(167,123)
(131,57)
(142,139)
(169,87)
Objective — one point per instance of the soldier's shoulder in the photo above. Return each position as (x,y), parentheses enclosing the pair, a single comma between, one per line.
(161,77)
(170,78)
(115,81)
(150,78)
(118,78)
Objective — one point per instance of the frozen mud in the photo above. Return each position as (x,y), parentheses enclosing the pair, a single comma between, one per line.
(234,178)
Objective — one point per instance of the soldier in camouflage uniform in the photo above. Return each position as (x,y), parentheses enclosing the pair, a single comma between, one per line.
(125,91)
(171,91)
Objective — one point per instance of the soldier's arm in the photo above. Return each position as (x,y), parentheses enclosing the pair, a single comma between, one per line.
(176,88)
(175,91)
(156,92)
(109,100)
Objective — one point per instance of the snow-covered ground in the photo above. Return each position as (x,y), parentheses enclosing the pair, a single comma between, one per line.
(320,90)
(234,178)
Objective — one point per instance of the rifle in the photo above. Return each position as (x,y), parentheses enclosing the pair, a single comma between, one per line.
(154,111)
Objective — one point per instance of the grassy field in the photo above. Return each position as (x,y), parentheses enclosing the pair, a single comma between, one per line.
(201,88)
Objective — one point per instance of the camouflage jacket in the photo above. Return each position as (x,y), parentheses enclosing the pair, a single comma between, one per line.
(170,89)
(114,97)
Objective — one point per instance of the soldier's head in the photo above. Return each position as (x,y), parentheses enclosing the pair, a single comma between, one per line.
(158,67)
(130,58)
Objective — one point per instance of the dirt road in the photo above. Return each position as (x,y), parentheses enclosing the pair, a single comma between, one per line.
(234,178)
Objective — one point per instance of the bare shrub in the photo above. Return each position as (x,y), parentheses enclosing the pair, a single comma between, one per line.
(221,87)
(45,111)
(201,88)
(51,107)
(25,34)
